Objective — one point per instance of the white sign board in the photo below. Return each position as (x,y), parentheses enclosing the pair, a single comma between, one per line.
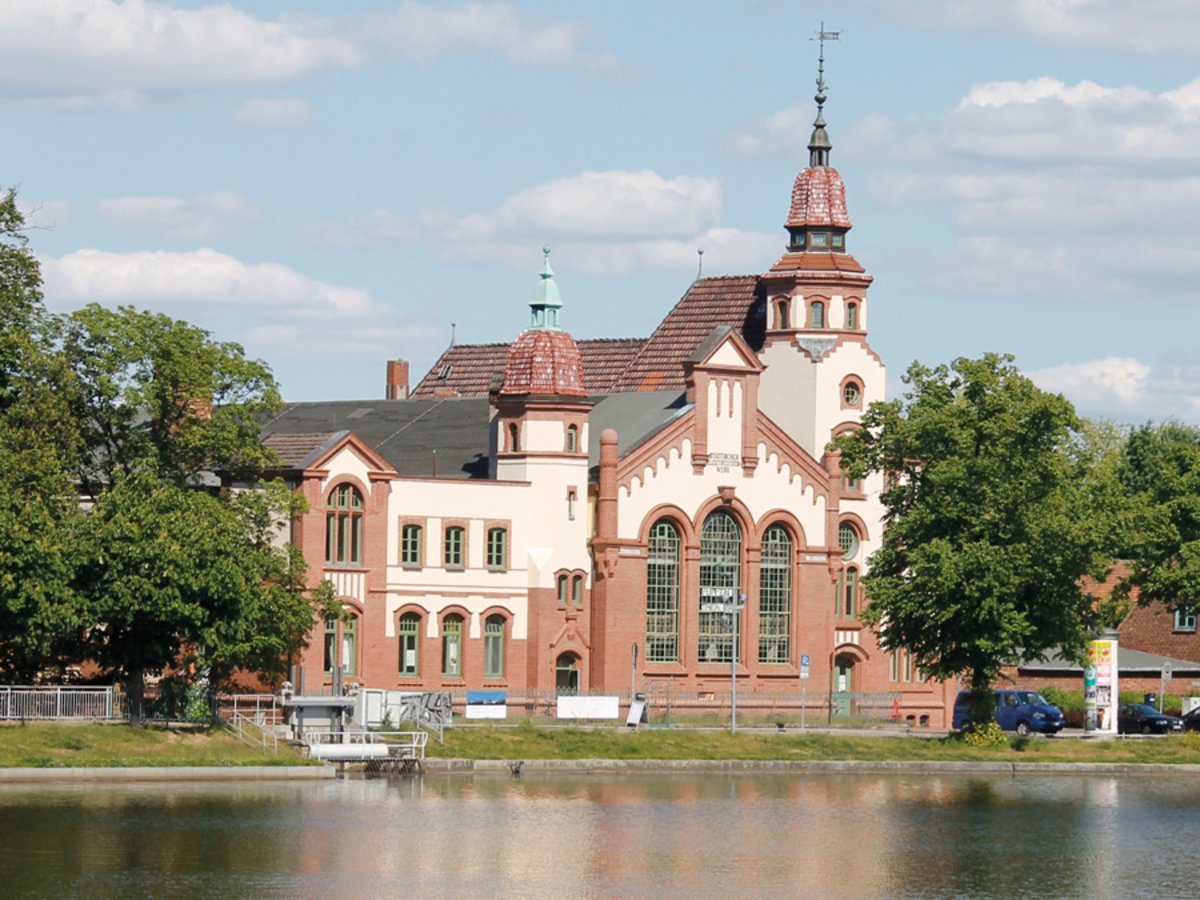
(602,707)
(487,711)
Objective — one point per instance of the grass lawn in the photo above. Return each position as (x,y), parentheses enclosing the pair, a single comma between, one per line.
(45,744)
(527,741)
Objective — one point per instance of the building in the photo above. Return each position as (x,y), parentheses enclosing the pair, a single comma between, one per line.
(553,515)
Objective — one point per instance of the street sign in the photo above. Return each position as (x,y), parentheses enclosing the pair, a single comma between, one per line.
(804,661)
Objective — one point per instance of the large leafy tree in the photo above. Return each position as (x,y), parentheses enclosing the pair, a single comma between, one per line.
(1160,470)
(38,509)
(990,521)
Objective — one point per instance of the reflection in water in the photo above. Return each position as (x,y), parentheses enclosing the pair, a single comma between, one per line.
(605,835)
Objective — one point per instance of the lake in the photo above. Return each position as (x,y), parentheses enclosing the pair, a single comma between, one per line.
(608,835)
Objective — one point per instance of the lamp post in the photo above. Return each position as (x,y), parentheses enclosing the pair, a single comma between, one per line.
(734,609)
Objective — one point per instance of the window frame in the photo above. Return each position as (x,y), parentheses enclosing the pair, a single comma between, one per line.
(496,548)
(454,552)
(409,640)
(416,558)
(345,509)
(1185,618)
(775,580)
(664,548)
(493,646)
(452,645)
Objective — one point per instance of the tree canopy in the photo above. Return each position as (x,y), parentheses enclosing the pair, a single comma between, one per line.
(990,520)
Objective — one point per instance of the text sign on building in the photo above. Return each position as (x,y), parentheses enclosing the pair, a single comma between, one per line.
(724,462)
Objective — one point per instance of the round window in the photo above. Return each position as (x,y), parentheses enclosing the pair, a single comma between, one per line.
(848,540)
(851,393)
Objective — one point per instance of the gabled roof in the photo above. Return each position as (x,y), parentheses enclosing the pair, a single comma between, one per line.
(735,300)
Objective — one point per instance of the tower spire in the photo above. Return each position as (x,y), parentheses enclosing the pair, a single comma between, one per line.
(819,144)
(546,302)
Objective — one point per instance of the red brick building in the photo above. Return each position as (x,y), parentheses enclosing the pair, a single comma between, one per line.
(561,515)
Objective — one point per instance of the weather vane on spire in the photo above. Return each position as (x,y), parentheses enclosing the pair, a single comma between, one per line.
(819,146)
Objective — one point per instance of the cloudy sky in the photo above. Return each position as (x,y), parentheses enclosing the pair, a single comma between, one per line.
(337,184)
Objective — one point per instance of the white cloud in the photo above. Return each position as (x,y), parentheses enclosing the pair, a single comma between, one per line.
(421,33)
(199,218)
(1126,388)
(102,52)
(1165,26)
(282,112)
(205,279)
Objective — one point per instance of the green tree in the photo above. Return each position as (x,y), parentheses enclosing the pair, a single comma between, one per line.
(161,396)
(1160,470)
(38,443)
(990,523)
(172,574)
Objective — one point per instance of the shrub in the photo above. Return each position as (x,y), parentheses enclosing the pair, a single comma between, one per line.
(986,735)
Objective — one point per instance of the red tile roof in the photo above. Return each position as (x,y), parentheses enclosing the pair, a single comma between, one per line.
(819,198)
(817,262)
(542,361)
(620,365)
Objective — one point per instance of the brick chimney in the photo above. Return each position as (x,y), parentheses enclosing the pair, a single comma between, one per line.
(397,379)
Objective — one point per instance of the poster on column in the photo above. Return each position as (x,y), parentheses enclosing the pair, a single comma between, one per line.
(1100,684)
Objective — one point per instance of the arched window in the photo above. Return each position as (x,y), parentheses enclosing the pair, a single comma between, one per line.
(410,644)
(848,540)
(566,674)
(514,439)
(572,438)
(775,597)
(784,310)
(493,647)
(662,593)
(852,316)
(341,644)
(344,526)
(562,590)
(816,314)
(720,582)
(851,393)
(452,630)
(849,585)
(577,590)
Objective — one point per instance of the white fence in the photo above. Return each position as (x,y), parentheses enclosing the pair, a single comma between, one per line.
(57,702)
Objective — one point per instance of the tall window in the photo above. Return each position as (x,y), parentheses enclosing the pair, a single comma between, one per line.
(341,644)
(852,316)
(775,597)
(514,437)
(452,547)
(343,526)
(720,582)
(497,548)
(452,631)
(410,644)
(816,314)
(848,588)
(562,590)
(572,438)
(662,593)
(577,590)
(493,647)
(410,545)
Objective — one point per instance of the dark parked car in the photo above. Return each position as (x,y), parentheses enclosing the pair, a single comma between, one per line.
(1019,711)
(1191,720)
(1142,718)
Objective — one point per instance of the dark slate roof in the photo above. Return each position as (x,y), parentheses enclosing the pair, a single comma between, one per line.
(1127,661)
(735,300)
(404,432)
(473,366)
(298,451)
(636,417)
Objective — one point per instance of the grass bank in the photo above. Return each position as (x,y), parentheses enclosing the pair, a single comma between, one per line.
(48,745)
(526,741)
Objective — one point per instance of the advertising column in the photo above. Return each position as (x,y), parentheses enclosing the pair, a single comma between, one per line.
(1100,687)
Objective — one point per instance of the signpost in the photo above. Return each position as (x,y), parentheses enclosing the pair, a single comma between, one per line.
(804,663)
(727,607)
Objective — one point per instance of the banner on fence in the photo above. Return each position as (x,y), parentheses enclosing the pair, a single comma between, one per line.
(487,705)
(601,707)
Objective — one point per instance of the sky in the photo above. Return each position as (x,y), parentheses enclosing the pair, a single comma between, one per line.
(333,185)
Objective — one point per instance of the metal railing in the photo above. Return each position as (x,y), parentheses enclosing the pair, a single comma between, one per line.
(366,745)
(252,732)
(57,702)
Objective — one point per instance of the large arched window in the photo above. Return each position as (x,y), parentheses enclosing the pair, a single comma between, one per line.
(662,593)
(344,526)
(775,597)
(493,647)
(720,583)
(566,674)
(816,314)
(341,644)
(852,316)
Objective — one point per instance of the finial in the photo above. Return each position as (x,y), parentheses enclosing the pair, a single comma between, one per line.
(819,145)
(546,301)
(452,327)
(699,263)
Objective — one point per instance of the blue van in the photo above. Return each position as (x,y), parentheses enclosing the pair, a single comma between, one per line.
(1019,711)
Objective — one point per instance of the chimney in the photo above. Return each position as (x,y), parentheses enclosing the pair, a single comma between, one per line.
(397,379)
